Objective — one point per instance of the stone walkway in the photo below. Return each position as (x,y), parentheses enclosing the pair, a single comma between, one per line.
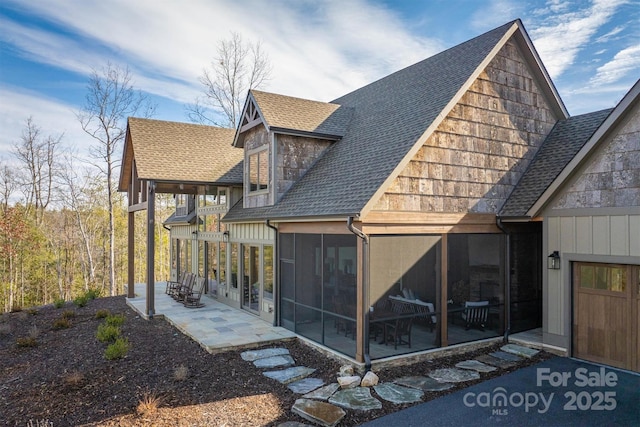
(326,404)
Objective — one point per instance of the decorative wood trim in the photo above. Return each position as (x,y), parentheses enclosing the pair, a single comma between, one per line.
(429,229)
(427,218)
(253,123)
(316,227)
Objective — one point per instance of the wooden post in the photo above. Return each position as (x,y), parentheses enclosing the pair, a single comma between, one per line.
(151,213)
(131,256)
(444,278)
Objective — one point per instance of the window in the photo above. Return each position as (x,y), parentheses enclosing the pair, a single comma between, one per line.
(259,170)
(603,277)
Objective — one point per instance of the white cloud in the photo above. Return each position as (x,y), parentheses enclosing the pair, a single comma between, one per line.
(496,13)
(560,37)
(623,63)
(52,117)
(606,37)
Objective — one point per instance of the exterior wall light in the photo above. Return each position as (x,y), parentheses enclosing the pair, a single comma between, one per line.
(225,236)
(553,261)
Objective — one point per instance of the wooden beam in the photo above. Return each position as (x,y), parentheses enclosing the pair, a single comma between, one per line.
(406,217)
(137,207)
(251,124)
(429,229)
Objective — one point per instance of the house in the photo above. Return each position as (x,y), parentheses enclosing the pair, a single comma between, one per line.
(405,216)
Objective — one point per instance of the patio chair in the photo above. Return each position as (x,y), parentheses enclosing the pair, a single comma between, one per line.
(192,299)
(398,331)
(181,291)
(172,286)
(475,314)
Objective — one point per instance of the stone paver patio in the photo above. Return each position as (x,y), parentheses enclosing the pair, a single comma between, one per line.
(216,326)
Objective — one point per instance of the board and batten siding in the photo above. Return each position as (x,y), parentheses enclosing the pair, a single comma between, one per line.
(251,233)
(594,218)
(478,153)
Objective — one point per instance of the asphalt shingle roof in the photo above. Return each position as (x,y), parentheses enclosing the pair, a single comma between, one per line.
(389,116)
(184,152)
(561,145)
(303,115)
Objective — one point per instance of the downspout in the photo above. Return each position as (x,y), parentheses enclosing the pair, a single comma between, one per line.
(276,256)
(507,330)
(365,290)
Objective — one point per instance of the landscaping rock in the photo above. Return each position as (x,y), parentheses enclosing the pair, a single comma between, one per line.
(346,371)
(275,361)
(349,382)
(370,379)
(294,424)
(494,361)
(305,385)
(475,365)
(289,375)
(506,356)
(322,413)
(454,375)
(398,394)
(252,355)
(323,393)
(356,398)
(423,383)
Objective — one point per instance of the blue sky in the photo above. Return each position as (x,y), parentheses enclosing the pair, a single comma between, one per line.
(318,49)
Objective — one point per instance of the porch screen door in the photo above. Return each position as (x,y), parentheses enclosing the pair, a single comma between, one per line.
(251,278)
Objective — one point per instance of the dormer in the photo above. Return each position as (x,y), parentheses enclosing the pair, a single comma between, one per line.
(283,137)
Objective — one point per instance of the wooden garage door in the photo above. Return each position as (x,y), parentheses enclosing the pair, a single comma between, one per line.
(605,314)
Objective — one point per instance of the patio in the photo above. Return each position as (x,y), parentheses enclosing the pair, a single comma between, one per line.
(216,326)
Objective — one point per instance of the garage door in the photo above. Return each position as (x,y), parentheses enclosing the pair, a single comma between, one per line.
(606,314)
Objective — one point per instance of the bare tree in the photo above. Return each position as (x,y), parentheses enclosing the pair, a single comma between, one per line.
(110,99)
(238,67)
(37,155)
(8,184)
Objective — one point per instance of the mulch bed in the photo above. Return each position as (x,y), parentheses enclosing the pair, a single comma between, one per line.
(65,379)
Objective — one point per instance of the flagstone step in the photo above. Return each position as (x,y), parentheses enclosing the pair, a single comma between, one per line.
(289,375)
(323,393)
(305,385)
(274,361)
(322,413)
(454,375)
(398,394)
(494,361)
(506,356)
(423,383)
(475,365)
(252,355)
(358,398)
(519,350)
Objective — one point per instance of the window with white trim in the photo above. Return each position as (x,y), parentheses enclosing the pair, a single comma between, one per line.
(259,170)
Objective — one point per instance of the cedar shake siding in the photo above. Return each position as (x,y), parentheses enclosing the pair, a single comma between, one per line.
(295,155)
(479,152)
(612,178)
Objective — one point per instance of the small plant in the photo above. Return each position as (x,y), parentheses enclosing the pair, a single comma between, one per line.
(74,378)
(16,308)
(148,404)
(114,319)
(34,332)
(92,293)
(58,302)
(61,323)
(27,342)
(102,313)
(117,349)
(68,314)
(40,423)
(81,301)
(181,373)
(107,333)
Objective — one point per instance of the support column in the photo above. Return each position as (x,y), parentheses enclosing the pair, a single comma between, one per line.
(151,248)
(131,256)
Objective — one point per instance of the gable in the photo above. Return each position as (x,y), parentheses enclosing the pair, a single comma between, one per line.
(477,154)
(611,175)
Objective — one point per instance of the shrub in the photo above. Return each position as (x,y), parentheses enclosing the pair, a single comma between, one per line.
(69,314)
(61,323)
(73,378)
(92,293)
(149,404)
(32,311)
(58,302)
(81,301)
(117,349)
(102,313)
(181,373)
(27,342)
(114,319)
(16,308)
(107,333)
